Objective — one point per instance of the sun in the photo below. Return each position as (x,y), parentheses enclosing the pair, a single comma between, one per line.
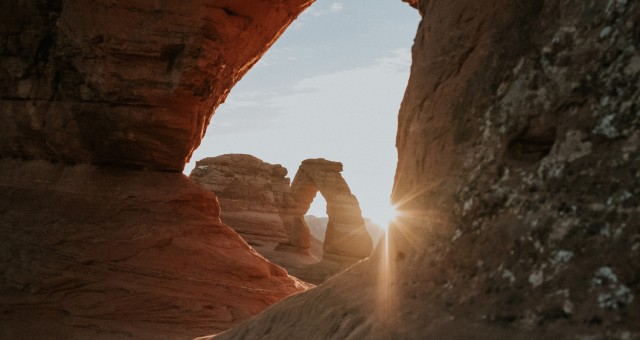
(389,215)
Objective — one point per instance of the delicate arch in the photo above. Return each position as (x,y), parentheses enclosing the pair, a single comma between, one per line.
(346,234)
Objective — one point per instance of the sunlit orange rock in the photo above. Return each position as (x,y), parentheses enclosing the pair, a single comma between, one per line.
(95,98)
(257,201)
(93,251)
(128,82)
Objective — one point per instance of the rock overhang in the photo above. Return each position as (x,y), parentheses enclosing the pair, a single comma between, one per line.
(132,83)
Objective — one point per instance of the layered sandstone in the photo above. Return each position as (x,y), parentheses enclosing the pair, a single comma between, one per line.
(129,82)
(250,193)
(94,97)
(257,201)
(108,253)
(518,181)
(345,234)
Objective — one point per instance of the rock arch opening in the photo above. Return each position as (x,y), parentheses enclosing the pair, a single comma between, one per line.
(346,234)
(329,87)
(257,201)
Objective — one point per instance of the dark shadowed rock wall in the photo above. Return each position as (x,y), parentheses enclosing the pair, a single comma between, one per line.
(95,97)
(108,253)
(518,180)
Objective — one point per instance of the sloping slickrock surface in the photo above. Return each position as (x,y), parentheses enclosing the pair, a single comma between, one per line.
(247,189)
(130,82)
(107,253)
(518,178)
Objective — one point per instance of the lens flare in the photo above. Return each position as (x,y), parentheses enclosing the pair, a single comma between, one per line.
(391,215)
(386,283)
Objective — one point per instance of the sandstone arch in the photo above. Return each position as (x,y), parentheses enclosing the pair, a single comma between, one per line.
(258,202)
(346,234)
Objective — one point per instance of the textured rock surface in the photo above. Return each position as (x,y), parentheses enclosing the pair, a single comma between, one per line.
(133,83)
(108,253)
(346,234)
(103,251)
(250,193)
(518,177)
(257,201)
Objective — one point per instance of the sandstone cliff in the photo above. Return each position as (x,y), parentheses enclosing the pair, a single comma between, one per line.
(250,193)
(95,96)
(518,181)
(257,201)
(107,253)
(128,82)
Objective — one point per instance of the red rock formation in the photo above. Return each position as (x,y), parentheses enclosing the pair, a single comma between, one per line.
(98,250)
(258,203)
(92,251)
(128,82)
(247,189)
(518,181)
(518,175)
(346,234)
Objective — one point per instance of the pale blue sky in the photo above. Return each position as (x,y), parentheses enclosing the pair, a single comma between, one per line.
(331,88)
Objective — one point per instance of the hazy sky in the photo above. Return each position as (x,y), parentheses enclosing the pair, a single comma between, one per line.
(330,88)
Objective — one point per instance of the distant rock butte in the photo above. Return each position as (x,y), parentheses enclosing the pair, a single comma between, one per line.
(250,192)
(256,201)
(133,83)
